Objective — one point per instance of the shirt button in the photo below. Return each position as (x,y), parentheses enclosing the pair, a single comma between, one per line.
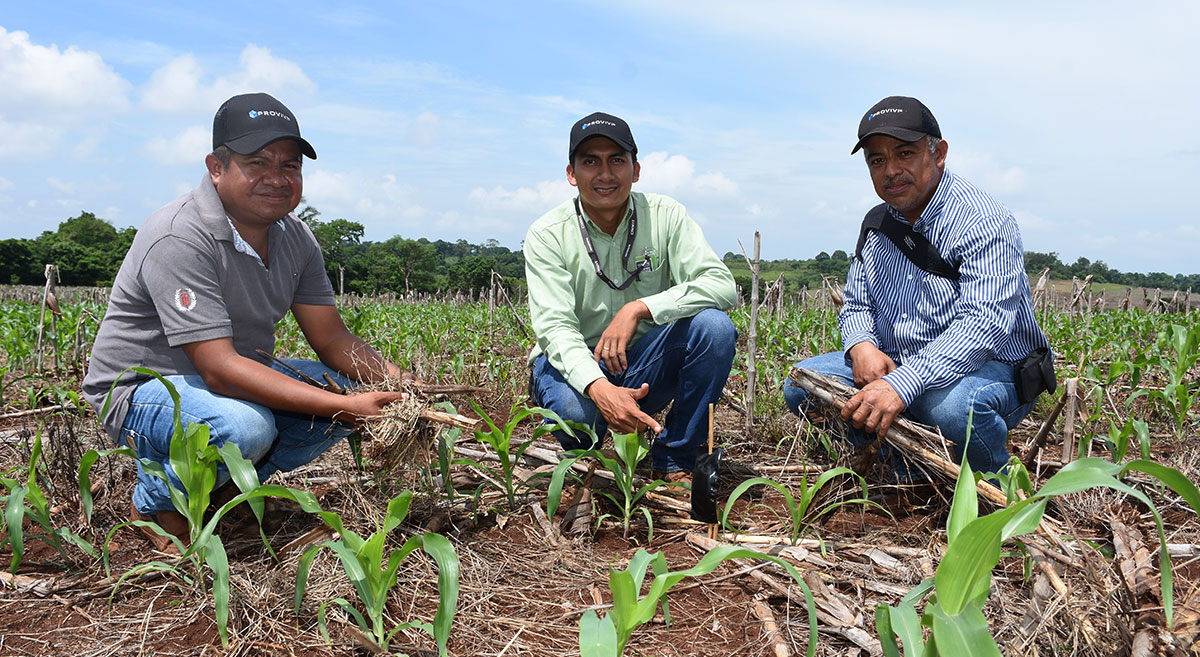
(910,277)
(903,315)
(905,352)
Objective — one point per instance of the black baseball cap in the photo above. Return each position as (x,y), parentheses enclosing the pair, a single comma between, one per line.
(248,122)
(904,118)
(600,124)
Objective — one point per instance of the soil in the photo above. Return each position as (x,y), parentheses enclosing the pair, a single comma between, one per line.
(524,584)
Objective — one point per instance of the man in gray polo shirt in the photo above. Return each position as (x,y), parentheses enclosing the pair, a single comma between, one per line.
(197,296)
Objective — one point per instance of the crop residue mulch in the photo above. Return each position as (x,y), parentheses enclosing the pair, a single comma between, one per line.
(524,584)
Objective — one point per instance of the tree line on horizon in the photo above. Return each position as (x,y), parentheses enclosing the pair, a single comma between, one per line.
(88,251)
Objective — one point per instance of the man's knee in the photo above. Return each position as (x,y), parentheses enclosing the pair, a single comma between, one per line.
(249,426)
(794,396)
(830,364)
(715,328)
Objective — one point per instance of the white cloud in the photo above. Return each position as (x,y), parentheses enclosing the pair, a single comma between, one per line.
(982,169)
(676,174)
(186,148)
(61,186)
(42,83)
(5,184)
(27,140)
(382,203)
(527,200)
(424,128)
(179,86)
(1184,231)
(1030,222)
(54,101)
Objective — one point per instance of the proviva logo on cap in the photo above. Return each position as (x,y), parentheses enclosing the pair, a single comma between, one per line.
(597,122)
(885,111)
(254,114)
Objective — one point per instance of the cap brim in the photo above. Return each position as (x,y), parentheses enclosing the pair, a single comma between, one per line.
(903,134)
(619,142)
(252,143)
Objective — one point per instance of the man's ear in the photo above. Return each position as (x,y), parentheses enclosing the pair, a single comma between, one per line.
(637,171)
(215,169)
(939,153)
(571,175)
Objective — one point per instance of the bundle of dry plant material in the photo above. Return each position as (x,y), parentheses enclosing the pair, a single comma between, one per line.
(398,437)
(405,434)
(922,446)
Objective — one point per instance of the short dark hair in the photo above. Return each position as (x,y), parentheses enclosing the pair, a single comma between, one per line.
(223,154)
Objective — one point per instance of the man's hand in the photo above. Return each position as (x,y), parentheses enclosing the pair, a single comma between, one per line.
(615,339)
(619,406)
(874,407)
(869,363)
(367,404)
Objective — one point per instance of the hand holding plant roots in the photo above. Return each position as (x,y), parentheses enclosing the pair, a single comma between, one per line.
(404,434)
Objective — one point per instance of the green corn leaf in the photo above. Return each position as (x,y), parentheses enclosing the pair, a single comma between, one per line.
(1025,520)
(625,610)
(14,516)
(900,621)
(964,508)
(965,633)
(86,463)
(438,547)
(965,571)
(243,474)
(397,511)
(887,634)
(218,563)
(558,479)
(1171,477)
(303,567)
(597,636)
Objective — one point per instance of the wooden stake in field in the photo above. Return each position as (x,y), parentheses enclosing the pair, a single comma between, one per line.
(712,528)
(51,302)
(1068,448)
(752,331)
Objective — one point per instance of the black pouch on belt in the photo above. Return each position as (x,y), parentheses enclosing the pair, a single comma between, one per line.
(706,477)
(1034,374)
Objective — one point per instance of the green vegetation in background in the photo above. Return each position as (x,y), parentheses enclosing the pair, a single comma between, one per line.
(88,251)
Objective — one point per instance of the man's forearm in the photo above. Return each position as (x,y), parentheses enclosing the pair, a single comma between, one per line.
(358,360)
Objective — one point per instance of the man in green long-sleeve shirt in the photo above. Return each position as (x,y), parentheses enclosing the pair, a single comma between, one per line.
(627,301)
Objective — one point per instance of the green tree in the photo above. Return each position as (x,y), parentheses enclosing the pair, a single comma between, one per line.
(418,260)
(471,273)
(88,250)
(17,265)
(1035,262)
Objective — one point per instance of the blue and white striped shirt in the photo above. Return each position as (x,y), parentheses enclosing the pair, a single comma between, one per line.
(938,330)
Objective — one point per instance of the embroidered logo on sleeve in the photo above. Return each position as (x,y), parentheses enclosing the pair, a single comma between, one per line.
(185,299)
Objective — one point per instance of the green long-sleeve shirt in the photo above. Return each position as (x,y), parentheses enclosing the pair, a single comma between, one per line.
(570,306)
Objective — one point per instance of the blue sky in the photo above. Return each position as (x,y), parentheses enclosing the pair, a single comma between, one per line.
(449,119)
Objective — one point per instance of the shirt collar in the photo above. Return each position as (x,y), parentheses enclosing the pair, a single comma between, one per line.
(934,209)
(628,211)
(242,246)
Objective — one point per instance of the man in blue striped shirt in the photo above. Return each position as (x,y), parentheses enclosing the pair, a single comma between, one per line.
(924,344)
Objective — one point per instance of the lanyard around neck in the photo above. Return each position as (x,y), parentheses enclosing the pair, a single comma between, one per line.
(644,265)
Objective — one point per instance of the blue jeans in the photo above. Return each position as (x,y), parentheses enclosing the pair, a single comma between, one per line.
(272,440)
(687,361)
(989,391)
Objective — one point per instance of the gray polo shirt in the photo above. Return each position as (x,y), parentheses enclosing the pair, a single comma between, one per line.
(184,281)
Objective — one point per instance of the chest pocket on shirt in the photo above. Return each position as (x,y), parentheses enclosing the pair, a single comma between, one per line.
(656,280)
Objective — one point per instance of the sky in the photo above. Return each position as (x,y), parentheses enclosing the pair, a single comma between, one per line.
(450,119)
